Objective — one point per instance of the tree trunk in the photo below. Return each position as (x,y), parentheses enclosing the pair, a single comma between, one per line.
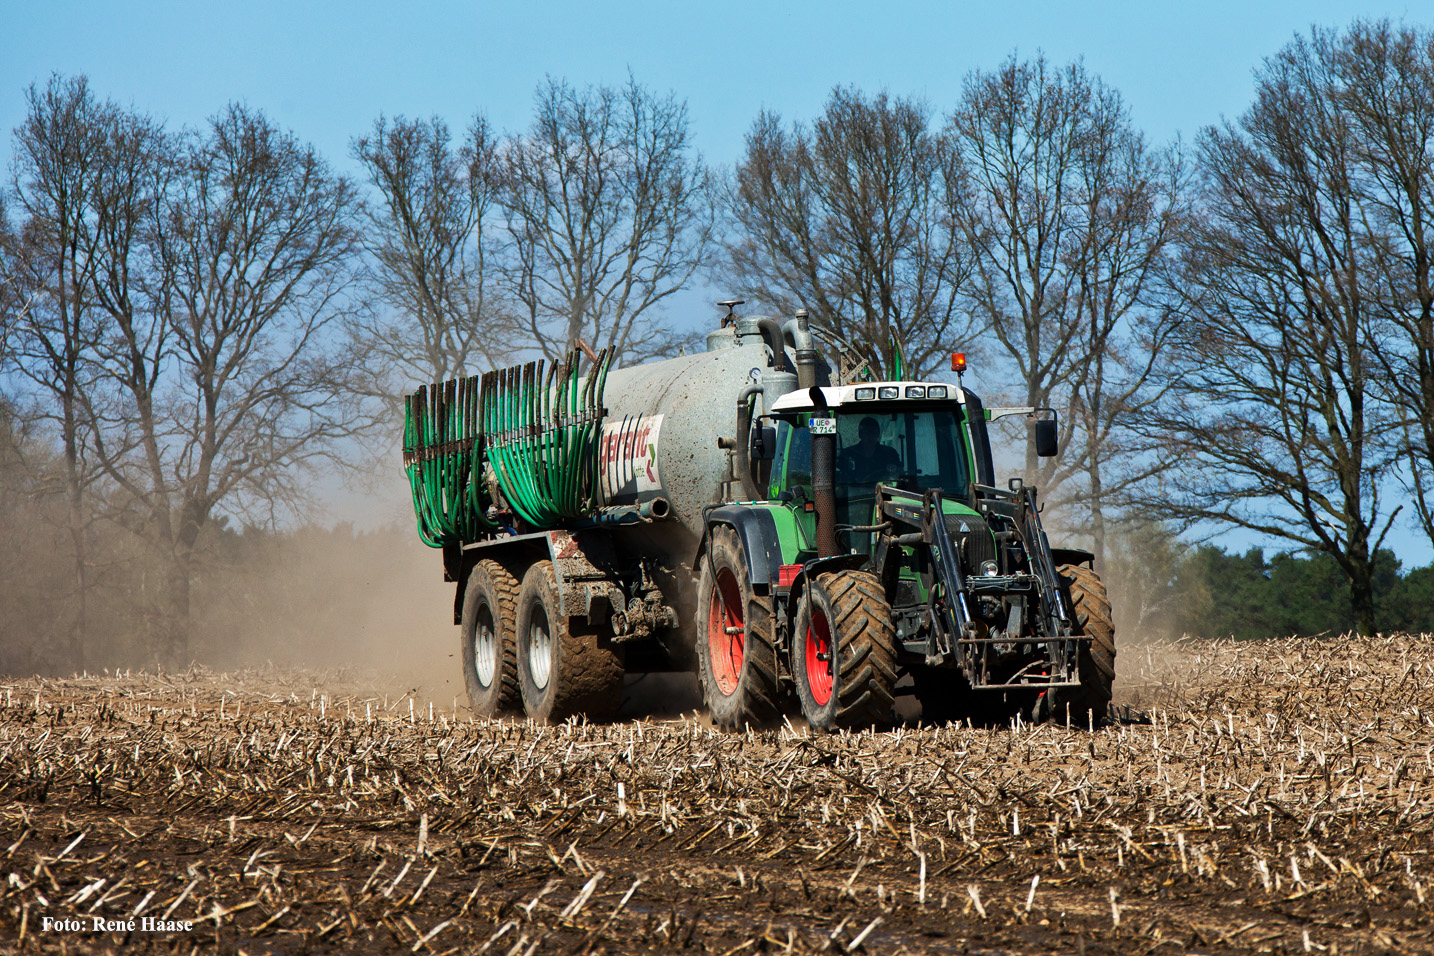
(1361,598)
(1097,517)
(175,639)
(79,631)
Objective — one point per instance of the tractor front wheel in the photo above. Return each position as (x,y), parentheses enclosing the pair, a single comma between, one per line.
(1089,703)
(736,657)
(844,651)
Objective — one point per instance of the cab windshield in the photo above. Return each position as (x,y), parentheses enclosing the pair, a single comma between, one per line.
(910,448)
(915,450)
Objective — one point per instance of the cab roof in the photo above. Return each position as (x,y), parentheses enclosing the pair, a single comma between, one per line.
(836,396)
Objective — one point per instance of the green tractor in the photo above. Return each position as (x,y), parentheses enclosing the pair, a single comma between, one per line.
(736,513)
(897,554)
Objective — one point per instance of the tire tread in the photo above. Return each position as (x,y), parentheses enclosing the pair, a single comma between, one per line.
(1095,666)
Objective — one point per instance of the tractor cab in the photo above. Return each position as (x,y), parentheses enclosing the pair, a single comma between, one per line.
(912,436)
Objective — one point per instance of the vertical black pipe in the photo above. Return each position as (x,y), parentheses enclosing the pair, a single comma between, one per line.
(741,458)
(824,479)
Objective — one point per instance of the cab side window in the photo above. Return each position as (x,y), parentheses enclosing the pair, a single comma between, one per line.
(795,467)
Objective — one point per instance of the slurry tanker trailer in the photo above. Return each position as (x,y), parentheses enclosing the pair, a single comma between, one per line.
(787,533)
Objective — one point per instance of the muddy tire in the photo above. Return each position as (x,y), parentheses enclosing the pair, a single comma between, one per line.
(1090,702)
(564,669)
(844,652)
(490,657)
(737,668)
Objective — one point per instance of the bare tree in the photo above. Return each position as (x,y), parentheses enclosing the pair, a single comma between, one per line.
(1381,80)
(610,212)
(1070,218)
(1274,422)
(230,373)
(435,256)
(51,263)
(845,217)
(14,303)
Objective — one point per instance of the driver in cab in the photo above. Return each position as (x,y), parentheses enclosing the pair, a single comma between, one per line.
(868,460)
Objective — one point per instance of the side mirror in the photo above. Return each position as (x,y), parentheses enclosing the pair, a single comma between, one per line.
(764,443)
(1044,432)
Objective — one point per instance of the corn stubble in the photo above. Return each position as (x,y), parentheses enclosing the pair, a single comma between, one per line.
(1266,797)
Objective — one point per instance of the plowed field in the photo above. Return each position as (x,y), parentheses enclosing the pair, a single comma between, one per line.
(1261,797)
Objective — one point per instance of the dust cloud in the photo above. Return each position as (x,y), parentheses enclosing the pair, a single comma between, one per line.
(369,613)
(357,608)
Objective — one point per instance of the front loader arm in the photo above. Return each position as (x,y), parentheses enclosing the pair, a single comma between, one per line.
(1043,564)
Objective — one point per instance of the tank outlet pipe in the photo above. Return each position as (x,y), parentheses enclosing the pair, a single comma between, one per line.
(742,452)
(824,481)
(799,329)
(772,332)
(645,512)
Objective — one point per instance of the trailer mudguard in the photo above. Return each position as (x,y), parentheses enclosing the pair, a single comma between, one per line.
(757,530)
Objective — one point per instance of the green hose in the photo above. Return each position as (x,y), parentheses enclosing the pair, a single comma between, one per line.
(534,428)
(442,457)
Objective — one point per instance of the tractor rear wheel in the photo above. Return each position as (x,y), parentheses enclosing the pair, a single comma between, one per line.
(490,661)
(736,656)
(564,669)
(844,651)
(1089,703)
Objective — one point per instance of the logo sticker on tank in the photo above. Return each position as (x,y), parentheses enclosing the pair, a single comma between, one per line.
(627,458)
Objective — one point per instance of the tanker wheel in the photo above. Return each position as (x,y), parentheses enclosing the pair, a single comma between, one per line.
(1095,664)
(564,669)
(490,660)
(844,651)
(736,655)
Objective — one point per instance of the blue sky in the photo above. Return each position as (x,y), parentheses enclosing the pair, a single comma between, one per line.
(326,70)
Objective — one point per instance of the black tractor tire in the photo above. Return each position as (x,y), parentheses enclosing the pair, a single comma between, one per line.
(565,669)
(490,657)
(844,652)
(738,671)
(1088,704)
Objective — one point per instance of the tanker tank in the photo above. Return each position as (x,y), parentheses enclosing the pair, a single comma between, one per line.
(659,438)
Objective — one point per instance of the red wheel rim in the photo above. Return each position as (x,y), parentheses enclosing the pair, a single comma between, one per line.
(819,658)
(724,632)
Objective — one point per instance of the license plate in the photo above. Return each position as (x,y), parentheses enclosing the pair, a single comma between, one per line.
(823,426)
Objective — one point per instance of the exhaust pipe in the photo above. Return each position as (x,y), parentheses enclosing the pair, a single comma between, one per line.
(824,482)
(799,330)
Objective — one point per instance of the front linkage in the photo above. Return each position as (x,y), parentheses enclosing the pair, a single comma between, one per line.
(996,609)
